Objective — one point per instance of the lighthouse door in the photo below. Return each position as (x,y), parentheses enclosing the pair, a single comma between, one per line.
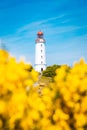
(41,69)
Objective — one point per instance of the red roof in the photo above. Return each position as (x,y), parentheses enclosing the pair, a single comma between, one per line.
(40,33)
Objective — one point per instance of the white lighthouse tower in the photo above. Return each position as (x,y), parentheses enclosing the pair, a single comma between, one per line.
(40,54)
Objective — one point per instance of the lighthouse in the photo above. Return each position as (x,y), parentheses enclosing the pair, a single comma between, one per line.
(40,53)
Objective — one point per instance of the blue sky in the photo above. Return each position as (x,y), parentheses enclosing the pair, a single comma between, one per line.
(64,23)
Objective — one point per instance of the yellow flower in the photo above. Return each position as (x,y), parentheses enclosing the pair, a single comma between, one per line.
(80,120)
(77,107)
(34,115)
(84,104)
(60,115)
(2,107)
(1,124)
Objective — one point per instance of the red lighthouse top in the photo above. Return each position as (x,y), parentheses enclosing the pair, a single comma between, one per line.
(40,33)
(40,38)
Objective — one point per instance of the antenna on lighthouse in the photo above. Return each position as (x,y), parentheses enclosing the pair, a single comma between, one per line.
(2,45)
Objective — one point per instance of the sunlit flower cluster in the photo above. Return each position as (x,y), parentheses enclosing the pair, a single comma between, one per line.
(62,105)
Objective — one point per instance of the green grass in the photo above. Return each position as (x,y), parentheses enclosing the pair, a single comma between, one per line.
(44,81)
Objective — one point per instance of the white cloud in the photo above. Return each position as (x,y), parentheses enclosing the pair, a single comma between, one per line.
(38,23)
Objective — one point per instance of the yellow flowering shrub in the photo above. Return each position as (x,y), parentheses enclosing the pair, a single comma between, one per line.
(62,105)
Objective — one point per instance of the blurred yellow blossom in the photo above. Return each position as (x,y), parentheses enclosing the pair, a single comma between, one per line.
(62,104)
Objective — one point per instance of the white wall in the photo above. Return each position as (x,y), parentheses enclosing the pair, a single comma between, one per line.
(40,56)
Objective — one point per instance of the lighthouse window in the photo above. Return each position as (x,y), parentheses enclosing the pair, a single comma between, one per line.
(41,56)
(41,45)
(41,62)
(41,50)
